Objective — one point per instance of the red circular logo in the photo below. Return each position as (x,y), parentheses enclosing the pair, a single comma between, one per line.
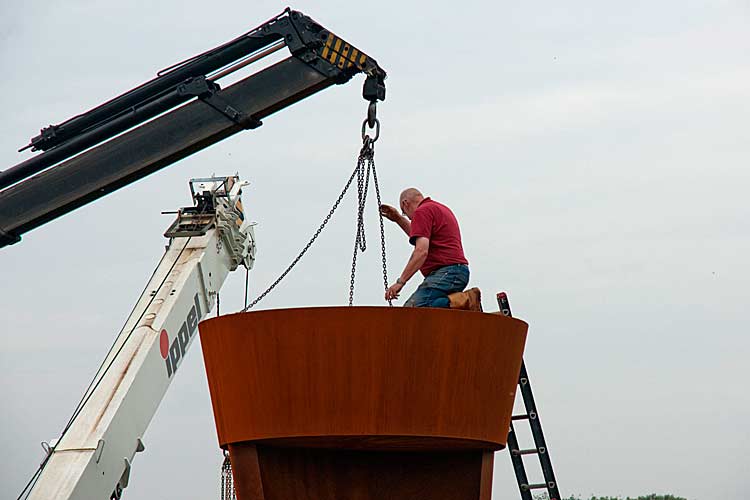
(164,344)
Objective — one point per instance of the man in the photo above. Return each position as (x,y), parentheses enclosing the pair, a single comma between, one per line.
(438,254)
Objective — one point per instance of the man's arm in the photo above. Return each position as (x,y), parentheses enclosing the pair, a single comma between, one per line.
(391,213)
(418,256)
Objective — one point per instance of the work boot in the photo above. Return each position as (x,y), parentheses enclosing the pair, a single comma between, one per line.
(470,300)
(475,299)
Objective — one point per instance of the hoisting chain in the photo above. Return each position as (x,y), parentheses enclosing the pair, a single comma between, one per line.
(227,480)
(367,157)
(382,232)
(365,164)
(363,181)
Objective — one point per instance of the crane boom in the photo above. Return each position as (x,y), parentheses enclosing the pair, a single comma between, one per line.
(92,458)
(181,111)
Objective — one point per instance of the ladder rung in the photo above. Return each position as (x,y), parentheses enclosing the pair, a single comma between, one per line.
(525,416)
(534,486)
(530,451)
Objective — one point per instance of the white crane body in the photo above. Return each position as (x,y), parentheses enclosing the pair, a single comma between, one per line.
(92,458)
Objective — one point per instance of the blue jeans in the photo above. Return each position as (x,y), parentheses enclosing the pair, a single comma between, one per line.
(434,290)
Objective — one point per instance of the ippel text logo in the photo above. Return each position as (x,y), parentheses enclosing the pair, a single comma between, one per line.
(174,352)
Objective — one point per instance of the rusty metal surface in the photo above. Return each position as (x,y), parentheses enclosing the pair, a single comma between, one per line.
(363,377)
(273,473)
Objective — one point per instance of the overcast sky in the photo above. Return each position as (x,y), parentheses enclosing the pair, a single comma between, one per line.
(595,153)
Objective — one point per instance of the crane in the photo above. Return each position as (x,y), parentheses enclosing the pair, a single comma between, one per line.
(92,459)
(179,112)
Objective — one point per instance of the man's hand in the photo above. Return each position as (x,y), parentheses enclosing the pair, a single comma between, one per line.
(390,213)
(393,291)
(393,214)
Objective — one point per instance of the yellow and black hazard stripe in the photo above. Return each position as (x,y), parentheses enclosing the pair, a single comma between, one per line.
(339,53)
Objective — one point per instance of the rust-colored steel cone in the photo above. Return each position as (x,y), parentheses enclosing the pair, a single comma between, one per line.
(362,403)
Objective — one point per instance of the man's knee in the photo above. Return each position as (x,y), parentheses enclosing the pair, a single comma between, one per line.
(427,297)
(441,302)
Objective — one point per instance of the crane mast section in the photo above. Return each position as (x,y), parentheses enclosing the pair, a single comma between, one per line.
(93,457)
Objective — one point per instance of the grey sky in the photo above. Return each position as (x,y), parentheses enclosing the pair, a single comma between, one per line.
(595,153)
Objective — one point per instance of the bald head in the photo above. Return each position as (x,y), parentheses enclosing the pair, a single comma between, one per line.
(409,200)
(412,195)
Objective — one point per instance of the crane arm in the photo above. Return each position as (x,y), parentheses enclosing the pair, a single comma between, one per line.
(92,458)
(115,144)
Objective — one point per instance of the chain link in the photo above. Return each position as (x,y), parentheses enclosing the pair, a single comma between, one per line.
(309,243)
(363,182)
(365,165)
(366,156)
(227,480)
(382,232)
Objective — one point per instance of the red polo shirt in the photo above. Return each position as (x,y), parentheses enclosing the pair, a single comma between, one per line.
(436,222)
